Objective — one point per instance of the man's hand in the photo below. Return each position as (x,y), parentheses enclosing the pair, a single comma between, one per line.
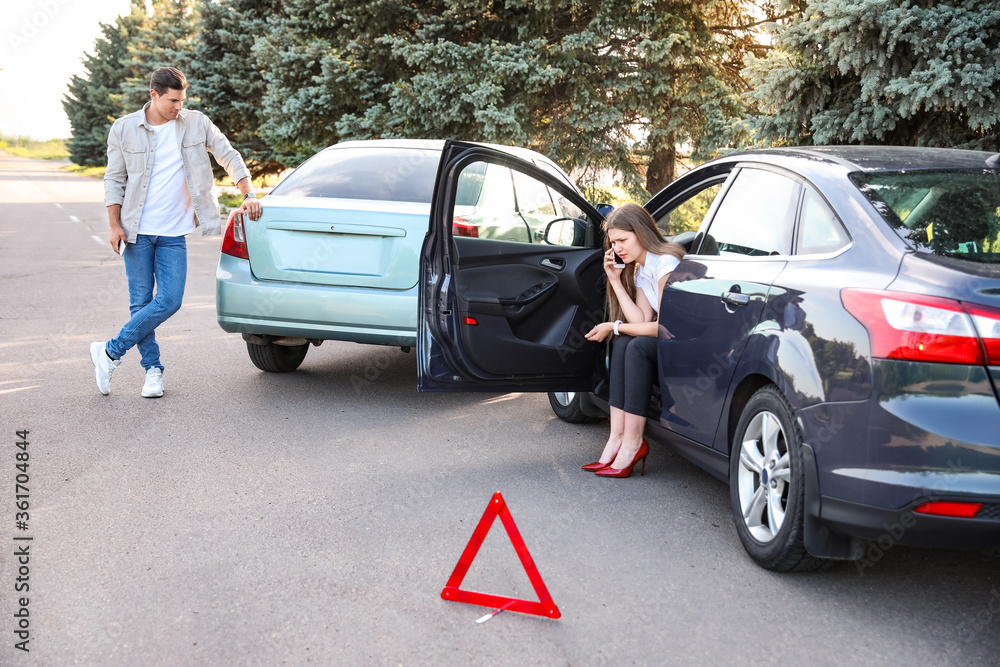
(117,236)
(252,208)
(117,231)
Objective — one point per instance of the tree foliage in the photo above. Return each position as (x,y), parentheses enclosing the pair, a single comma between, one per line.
(165,39)
(632,87)
(618,84)
(224,75)
(94,100)
(917,72)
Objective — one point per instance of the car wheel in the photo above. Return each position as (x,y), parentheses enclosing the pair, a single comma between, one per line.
(274,358)
(566,405)
(767,484)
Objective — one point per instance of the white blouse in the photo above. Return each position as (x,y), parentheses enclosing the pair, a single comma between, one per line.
(649,275)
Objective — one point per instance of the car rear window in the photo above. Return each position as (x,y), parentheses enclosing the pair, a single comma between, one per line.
(950,213)
(383,174)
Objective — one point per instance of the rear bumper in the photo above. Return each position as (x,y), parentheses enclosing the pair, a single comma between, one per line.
(247,305)
(883,528)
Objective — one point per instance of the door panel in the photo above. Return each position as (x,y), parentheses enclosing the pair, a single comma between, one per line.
(524,310)
(710,319)
(715,299)
(499,315)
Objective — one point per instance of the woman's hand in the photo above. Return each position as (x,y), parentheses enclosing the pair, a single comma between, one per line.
(601,331)
(609,266)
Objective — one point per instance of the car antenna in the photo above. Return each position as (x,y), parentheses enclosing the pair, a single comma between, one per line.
(994,162)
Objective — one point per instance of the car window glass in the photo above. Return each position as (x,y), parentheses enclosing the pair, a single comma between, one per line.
(544,165)
(546,218)
(755,217)
(485,206)
(470,184)
(688,215)
(532,196)
(819,229)
(381,174)
(949,213)
(564,207)
(498,191)
(495,202)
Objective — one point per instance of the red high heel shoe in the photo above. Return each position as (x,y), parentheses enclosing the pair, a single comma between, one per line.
(597,465)
(627,470)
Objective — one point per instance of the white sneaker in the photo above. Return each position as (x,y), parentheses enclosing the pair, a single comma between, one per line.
(154,383)
(104,366)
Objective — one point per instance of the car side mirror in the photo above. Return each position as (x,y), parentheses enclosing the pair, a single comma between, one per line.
(565,231)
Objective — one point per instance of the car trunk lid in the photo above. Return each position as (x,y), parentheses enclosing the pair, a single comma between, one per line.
(341,242)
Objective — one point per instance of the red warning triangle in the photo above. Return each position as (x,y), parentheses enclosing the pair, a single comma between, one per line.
(544,607)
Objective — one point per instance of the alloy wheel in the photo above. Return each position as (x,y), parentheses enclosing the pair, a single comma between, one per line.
(764,475)
(564,398)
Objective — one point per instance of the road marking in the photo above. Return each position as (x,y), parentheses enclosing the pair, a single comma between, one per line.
(74,218)
(11,391)
(97,238)
(58,205)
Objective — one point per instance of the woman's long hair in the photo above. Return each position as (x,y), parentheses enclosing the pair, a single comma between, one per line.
(634,218)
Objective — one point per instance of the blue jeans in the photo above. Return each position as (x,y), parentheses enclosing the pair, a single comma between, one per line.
(151,260)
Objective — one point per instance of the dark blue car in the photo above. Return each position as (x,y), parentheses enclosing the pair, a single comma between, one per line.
(834,348)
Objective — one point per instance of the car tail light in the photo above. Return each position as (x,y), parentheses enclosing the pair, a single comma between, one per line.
(944,508)
(926,328)
(987,321)
(234,242)
(462,227)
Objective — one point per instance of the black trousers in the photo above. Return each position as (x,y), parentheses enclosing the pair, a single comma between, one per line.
(633,368)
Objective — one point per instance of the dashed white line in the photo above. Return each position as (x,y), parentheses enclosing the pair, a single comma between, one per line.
(97,238)
(74,218)
(58,205)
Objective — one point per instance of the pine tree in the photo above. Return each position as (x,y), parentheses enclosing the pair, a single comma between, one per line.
(229,85)
(917,72)
(165,39)
(620,84)
(94,100)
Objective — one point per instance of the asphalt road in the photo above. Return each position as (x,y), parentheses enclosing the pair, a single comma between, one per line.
(313,518)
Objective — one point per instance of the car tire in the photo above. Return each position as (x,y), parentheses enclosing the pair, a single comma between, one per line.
(767,485)
(273,358)
(566,405)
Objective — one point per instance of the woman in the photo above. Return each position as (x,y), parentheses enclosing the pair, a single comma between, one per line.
(634,297)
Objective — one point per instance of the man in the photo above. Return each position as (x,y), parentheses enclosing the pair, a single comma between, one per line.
(158,188)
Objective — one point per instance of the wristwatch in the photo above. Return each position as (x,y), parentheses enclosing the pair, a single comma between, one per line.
(249,195)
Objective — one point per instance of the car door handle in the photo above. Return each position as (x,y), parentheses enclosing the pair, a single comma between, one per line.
(735,298)
(556,264)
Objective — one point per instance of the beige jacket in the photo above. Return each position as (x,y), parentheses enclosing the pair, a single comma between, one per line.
(131,144)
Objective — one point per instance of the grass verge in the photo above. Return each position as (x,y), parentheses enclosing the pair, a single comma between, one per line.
(54,149)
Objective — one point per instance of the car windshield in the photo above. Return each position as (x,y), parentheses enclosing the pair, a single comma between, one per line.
(952,213)
(383,174)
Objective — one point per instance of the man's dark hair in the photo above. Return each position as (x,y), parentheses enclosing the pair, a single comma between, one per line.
(167,78)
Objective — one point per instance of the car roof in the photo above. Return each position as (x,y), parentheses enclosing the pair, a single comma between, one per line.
(886,158)
(426,144)
(432,145)
(438,145)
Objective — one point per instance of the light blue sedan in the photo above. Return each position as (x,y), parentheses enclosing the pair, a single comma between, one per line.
(335,254)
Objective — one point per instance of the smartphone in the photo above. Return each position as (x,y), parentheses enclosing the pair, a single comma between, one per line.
(121,247)
(619,262)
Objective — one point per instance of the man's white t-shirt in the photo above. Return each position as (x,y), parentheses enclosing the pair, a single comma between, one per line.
(649,275)
(168,209)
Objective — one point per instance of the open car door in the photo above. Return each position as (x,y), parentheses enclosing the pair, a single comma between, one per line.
(511,278)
